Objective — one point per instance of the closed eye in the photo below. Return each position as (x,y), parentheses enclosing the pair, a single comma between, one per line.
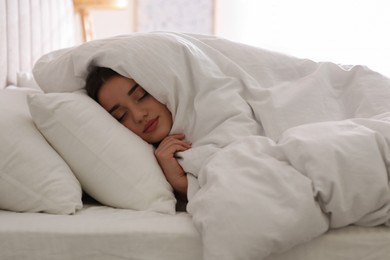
(146,94)
(121,118)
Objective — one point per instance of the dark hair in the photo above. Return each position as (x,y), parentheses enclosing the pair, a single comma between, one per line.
(95,80)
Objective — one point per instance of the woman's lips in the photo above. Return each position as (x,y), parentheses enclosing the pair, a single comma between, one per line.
(151,125)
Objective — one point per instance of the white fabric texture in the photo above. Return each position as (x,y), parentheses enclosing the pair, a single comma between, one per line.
(105,233)
(33,177)
(26,80)
(113,165)
(99,233)
(282,148)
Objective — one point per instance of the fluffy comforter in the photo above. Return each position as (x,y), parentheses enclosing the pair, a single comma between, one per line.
(283,148)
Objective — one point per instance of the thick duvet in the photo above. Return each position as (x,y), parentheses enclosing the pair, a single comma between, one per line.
(283,148)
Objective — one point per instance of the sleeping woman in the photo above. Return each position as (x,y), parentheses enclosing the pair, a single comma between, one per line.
(144,115)
(270,150)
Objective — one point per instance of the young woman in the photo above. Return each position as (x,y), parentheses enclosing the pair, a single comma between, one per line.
(144,115)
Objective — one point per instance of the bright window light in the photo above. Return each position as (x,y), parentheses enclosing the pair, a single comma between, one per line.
(341,31)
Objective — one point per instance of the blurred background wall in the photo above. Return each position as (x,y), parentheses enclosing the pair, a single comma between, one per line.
(342,31)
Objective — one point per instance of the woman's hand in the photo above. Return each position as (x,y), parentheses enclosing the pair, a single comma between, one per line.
(165,154)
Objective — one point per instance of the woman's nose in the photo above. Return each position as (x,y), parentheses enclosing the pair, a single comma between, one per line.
(139,114)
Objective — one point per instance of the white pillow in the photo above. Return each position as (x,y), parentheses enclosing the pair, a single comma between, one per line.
(113,165)
(33,177)
(26,80)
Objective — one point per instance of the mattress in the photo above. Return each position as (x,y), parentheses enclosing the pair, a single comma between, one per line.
(349,243)
(100,232)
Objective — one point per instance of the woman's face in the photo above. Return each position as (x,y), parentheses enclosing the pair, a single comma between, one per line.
(136,109)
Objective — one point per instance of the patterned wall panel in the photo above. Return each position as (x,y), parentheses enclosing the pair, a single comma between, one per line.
(174,15)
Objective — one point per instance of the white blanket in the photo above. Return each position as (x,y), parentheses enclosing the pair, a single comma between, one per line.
(283,148)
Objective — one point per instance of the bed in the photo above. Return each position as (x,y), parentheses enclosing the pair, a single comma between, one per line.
(55,219)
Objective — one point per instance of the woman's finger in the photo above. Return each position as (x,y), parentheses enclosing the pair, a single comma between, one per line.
(173,140)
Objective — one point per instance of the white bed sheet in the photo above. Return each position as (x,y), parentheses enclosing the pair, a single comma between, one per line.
(99,232)
(348,243)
